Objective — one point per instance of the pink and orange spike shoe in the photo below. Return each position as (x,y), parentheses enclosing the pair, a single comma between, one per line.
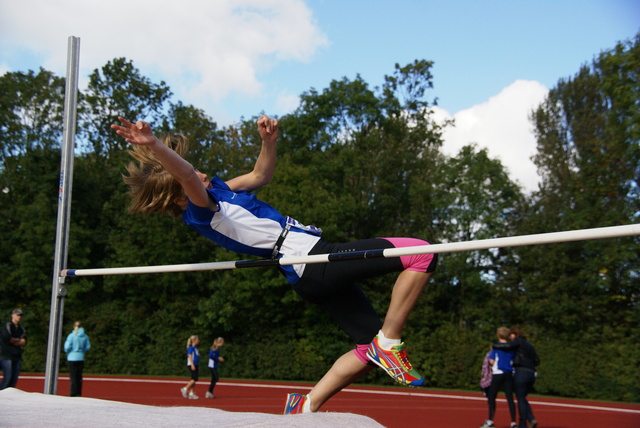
(395,362)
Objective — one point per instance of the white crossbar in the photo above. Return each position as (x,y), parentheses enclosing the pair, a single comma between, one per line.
(483,244)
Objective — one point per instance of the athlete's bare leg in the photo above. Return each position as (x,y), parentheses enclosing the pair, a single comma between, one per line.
(405,294)
(346,370)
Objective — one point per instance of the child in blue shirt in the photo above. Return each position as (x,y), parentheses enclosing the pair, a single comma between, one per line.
(193,359)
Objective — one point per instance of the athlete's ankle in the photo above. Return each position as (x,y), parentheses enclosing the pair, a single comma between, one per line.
(307,405)
(386,343)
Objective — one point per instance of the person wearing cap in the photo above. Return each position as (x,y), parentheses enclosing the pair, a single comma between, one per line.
(13,339)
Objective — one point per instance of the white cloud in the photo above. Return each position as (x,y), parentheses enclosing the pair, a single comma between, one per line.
(222,46)
(287,102)
(502,125)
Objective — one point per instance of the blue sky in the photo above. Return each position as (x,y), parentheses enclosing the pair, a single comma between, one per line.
(479,47)
(494,60)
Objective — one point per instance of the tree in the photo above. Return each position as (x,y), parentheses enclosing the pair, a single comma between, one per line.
(118,89)
(31,108)
(588,159)
(588,145)
(478,200)
(358,162)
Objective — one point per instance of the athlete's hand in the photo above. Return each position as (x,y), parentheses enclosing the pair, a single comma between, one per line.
(268,129)
(138,133)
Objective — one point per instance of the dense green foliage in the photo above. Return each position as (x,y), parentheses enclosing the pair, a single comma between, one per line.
(358,162)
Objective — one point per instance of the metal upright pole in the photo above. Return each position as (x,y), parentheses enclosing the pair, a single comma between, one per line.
(58,289)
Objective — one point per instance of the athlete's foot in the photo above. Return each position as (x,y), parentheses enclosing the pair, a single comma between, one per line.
(395,362)
(297,403)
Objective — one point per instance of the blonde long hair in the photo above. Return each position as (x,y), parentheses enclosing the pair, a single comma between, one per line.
(217,343)
(151,188)
(191,340)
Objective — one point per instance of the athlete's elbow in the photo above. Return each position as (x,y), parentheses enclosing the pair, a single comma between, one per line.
(261,179)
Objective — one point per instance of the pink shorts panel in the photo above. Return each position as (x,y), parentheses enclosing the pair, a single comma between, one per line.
(361,353)
(417,262)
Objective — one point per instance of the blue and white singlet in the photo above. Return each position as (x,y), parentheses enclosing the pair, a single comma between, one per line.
(246,225)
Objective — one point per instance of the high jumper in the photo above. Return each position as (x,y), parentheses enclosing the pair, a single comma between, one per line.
(226,212)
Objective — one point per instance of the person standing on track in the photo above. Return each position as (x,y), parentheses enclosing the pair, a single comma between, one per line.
(214,360)
(525,362)
(501,378)
(228,213)
(75,346)
(193,359)
(13,339)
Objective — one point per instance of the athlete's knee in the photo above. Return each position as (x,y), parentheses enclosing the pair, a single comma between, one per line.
(361,353)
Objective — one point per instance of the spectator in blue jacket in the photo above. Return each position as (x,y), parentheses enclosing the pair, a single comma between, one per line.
(501,364)
(75,346)
(525,362)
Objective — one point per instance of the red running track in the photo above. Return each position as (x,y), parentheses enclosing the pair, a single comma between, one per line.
(390,406)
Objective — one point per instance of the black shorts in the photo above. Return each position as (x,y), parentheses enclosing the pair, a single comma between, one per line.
(333,286)
(194,373)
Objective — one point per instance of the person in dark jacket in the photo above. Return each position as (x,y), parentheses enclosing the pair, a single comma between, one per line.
(525,362)
(13,339)
(501,366)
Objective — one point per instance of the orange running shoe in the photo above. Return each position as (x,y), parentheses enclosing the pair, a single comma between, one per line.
(395,362)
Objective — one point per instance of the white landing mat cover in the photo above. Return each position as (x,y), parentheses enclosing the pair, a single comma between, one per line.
(26,409)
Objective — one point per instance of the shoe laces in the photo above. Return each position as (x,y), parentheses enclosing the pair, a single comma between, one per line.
(401,355)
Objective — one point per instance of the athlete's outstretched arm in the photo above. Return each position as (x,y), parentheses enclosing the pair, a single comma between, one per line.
(266,162)
(140,133)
